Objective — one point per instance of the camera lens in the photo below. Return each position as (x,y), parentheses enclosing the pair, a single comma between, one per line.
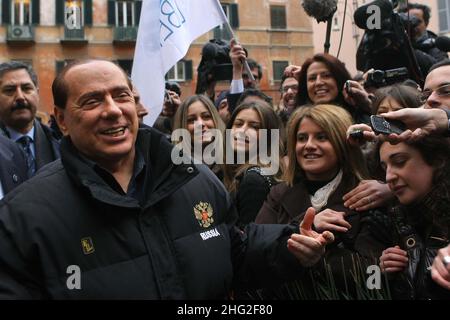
(378,76)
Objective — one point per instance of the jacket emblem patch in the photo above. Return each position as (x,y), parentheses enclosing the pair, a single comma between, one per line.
(87,245)
(203,212)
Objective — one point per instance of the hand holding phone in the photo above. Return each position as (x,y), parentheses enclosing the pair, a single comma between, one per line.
(358,135)
(381,126)
(347,87)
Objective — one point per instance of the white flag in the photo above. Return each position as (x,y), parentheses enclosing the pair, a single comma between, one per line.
(166,30)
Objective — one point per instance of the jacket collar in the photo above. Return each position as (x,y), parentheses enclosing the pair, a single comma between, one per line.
(165,177)
(296,199)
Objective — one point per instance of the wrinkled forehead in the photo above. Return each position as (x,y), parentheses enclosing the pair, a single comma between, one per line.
(18,76)
(437,78)
(95,76)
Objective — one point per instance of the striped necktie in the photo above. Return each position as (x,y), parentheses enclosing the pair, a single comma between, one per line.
(25,143)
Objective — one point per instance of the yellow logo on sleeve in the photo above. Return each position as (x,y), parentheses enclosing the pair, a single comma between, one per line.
(87,245)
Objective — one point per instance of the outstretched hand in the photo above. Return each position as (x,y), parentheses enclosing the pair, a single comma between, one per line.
(309,246)
(420,123)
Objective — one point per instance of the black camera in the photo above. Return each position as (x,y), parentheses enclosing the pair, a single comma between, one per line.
(215,64)
(409,21)
(387,45)
(218,53)
(173,86)
(380,78)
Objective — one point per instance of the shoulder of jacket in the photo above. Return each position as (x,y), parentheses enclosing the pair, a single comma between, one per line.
(255,174)
(431,34)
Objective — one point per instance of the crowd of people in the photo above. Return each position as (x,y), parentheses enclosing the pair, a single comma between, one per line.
(93,205)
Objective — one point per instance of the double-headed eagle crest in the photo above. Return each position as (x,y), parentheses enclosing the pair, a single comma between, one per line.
(203,212)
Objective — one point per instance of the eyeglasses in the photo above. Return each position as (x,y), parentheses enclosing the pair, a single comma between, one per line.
(441,92)
(293,87)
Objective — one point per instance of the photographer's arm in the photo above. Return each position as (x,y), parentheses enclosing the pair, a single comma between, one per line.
(237,56)
(420,122)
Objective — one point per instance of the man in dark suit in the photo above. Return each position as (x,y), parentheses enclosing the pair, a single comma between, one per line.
(13,166)
(19,99)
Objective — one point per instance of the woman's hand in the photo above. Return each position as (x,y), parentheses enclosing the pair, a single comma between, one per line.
(393,260)
(309,246)
(292,71)
(369,194)
(440,271)
(331,220)
(357,96)
(364,133)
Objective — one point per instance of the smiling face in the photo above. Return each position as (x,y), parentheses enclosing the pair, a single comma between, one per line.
(289,91)
(200,120)
(100,114)
(407,173)
(321,85)
(315,153)
(245,130)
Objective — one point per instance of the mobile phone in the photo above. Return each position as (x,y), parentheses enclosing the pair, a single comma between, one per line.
(382,126)
(347,87)
(358,135)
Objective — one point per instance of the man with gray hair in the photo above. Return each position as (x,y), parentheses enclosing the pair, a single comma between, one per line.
(115,218)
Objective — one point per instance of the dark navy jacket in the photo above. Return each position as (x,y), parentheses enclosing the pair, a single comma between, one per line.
(13,166)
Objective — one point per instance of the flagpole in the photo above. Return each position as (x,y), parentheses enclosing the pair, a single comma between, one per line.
(230,30)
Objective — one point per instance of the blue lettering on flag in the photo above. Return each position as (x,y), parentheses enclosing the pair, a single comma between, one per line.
(171,18)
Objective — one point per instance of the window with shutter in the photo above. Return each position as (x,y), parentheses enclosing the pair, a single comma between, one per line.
(125,14)
(6,9)
(35,11)
(87,5)
(278,69)
(278,17)
(221,32)
(21,12)
(178,72)
(444,15)
(76,14)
